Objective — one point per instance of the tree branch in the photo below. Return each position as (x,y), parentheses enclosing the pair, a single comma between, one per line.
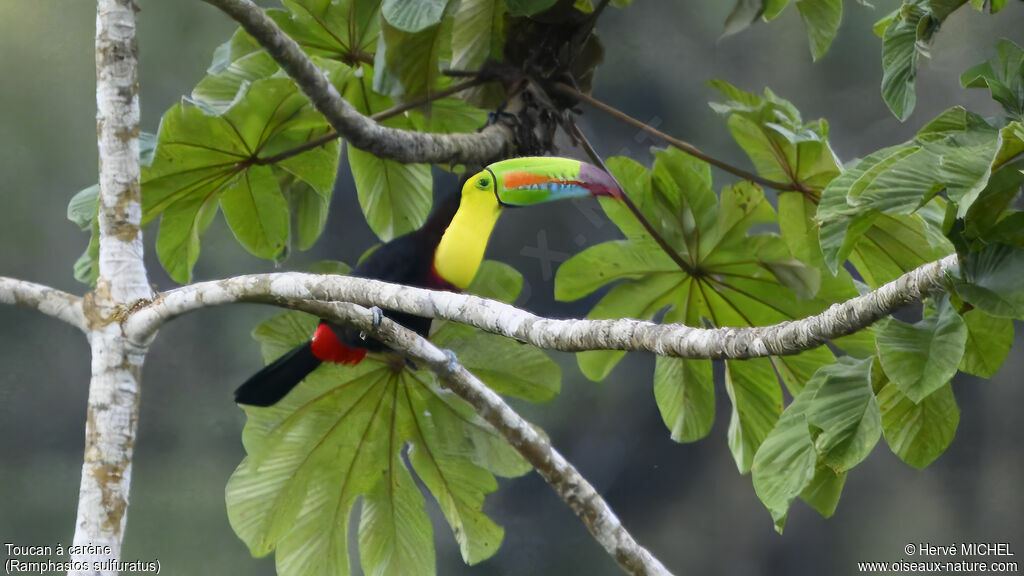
(562,476)
(379,117)
(113,405)
(50,301)
(293,290)
(402,145)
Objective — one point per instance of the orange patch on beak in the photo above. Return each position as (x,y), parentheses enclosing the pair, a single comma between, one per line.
(520,179)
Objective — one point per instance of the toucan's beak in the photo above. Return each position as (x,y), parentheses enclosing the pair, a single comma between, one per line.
(535,180)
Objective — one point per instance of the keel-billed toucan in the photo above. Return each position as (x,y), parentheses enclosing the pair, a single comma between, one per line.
(444,254)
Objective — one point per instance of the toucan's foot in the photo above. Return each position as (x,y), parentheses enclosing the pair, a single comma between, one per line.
(453,361)
(411,365)
(378,316)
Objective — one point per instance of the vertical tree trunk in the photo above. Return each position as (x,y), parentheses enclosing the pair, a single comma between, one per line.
(112,415)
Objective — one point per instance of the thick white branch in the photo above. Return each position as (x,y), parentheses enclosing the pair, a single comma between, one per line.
(113,404)
(293,290)
(49,301)
(362,132)
(562,476)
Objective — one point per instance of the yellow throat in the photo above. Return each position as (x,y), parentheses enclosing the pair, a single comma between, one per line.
(464,242)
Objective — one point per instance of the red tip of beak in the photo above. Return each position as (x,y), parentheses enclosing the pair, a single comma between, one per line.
(598,182)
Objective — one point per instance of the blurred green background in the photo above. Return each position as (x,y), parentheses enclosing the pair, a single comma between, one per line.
(685,502)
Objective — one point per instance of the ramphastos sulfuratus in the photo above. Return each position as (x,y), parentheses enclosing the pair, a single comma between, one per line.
(444,254)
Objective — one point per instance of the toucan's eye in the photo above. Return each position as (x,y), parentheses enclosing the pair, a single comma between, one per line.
(483,183)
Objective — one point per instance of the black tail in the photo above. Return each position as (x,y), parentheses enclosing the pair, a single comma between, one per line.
(276,380)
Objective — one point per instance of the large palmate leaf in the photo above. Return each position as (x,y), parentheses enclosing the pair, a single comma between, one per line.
(781,146)
(733,278)
(218,153)
(829,427)
(341,436)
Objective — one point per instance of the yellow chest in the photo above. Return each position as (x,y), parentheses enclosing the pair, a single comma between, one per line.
(463,244)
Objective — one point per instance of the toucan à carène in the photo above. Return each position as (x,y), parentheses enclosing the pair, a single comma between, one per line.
(444,254)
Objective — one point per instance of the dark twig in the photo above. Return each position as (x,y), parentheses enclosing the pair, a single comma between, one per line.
(690,149)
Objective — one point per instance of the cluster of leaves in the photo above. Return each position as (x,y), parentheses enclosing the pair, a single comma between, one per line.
(906,33)
(248,143)
(360,432)
(903,206)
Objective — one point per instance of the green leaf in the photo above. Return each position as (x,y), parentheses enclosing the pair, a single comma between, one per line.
(82,210)
(743,14)
(770,130)
(448,115)
(394,534)
(339,436)
(908,31)
(990,280)
(498,281)
(1003,75)
(784,465)
(256,212)
(177,242)
(310,210)
(395,197)
(844,415)
(478,34)
(920,358)
(822,19)
(824,490)
(528,7)
(988,343)
(918,432)
(685,393)
(328,267)
(407,64)
(756,406)
(899,58)
(835,417)
(83,207)
(217,92)
(87,268)
(413,15)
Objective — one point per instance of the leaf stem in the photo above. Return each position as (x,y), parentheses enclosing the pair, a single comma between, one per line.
(596,158)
